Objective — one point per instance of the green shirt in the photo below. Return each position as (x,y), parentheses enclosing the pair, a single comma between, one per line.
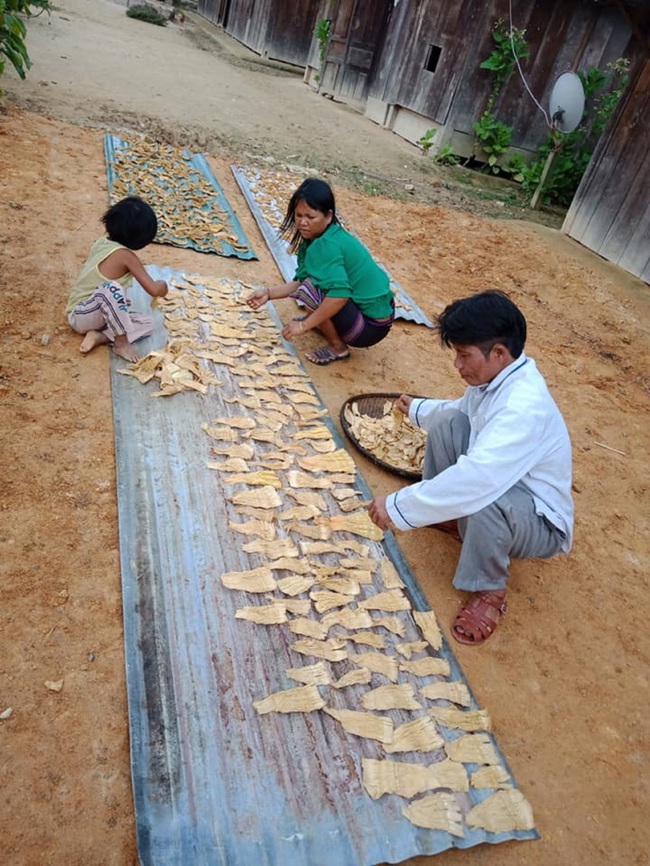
(340,265)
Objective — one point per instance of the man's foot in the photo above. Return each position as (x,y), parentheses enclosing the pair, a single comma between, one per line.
(91,340)
(327,355)
(479,617)
(125,350)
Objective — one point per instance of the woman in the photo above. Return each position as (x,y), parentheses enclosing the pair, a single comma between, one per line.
(347,293)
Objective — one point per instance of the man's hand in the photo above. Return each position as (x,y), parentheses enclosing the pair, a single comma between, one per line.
(403,403)
(378,513)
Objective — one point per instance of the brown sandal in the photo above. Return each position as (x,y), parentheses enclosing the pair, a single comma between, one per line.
(479,617)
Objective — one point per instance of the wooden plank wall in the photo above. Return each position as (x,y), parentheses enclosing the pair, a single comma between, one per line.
(562,35)
(610,213)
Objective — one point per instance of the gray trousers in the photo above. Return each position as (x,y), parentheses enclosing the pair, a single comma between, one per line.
(508,528)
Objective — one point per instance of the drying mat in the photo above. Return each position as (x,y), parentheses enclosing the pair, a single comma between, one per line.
(387,446)
(191,207)
(267,194)
(214,782)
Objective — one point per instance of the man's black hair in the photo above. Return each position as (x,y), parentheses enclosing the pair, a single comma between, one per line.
(483,320)
(318,194)
(131,222)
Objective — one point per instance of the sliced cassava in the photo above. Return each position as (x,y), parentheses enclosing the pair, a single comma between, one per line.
(393,624)
(302,699)
(389,576)
(363,724)
(359,677)
(251,580)
(505,811)
(407,780)
(427,667)
(392,697)
(472,749)
(439,811)
(377,663)
(325,600)
(463,720)
(264,614)
(311,675)
(420,735)
(332,650)
(494,776)
(260,528)
(391,600)
(428,625)
(367,638)
(296,584)
(279,547)
(357,523)
(308,627)
(456,692)
(260,497)
(347,618)
(408,649)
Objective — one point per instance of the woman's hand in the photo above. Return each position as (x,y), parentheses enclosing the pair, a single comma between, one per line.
(403,403)
(292,330)
(258,298)
(378,513)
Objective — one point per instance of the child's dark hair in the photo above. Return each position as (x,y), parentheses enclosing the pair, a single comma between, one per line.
(319,195)
(131,222)
(483,320)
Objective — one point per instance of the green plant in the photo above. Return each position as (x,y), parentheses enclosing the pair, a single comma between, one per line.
(13,31)
(509,47)
(148,14)
(515,167)
(446,156)
(322,32)
(573,150)
(426,141)
(493,137)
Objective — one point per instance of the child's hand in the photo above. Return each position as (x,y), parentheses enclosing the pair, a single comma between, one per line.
(161,288)
(258,298)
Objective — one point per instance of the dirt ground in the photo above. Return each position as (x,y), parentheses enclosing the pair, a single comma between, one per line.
(565,678)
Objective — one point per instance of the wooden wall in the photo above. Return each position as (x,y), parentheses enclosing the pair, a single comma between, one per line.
(610,213)
(279,29)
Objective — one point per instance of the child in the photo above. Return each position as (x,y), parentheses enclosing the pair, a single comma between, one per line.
(347,293)
(98,306)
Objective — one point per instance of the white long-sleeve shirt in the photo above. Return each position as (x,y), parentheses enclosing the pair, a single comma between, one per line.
(516,434)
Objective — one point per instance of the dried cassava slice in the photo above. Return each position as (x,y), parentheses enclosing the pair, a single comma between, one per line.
(377,663)
(347,618)
(285,563)
(361,576)
(279,547)
(389,576)
(241,422)
(325,446)
(256,513)
(302,699)
(302,479)
(264,614)
(333,650)
(360,677)
(252,580)
(295,585)
(420,735)
(341,493)
(299,512)
(407,780)
(308,627)
(358,523)
(491,777)
(335,461)
(225,434)
(275,460)
(254,527)
(427,667)
(428,625)
(261,478)
(311,531)
(363,724)
(472,749)
(297,606)
(408,649)
(344,585)
(242,450)
(325,600)
(233,464)
(261,497)
(368,638)
(317,547)
(456,692)
(393,697)
(393,624)
(316,431)
(312,675)
(504,811)
(390,600)
(463,720)
(309,497)
(438,811)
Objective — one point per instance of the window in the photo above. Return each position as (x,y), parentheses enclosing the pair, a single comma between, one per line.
(433,56)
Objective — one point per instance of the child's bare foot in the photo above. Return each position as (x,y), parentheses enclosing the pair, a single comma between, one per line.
(124,349)
(91,340)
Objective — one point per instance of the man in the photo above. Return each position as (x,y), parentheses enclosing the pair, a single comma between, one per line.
(497,461)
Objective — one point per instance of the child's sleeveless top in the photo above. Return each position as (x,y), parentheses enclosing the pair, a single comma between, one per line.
(90,277)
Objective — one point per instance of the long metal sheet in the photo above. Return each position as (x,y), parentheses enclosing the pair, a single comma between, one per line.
(213,782)
(251,184)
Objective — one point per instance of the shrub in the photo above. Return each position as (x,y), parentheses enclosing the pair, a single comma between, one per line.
(148,14)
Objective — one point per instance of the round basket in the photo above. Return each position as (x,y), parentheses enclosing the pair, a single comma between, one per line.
(373,405)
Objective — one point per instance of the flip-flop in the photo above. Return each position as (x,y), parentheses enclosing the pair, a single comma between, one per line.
(325,355)
(479,618)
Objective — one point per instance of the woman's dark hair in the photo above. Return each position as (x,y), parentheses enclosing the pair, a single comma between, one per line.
(483,320)
(319,195)
(131,222)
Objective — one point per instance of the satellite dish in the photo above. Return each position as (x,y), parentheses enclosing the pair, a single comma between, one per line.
(567,102)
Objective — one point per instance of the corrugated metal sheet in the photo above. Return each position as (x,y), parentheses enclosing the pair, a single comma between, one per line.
(405,306)
(214,783)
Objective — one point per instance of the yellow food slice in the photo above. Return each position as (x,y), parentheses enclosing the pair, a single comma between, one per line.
(393,624)
(302,699)
(344,585)
(357,523)
(427,667)
(363,724)
(311,675)
(325,600)
(472,749)
(368,638)
(302,479)
(428,625)
(407,780)
(420,735)
(504,811)
(335,461)
(241,422)
(252,580)
(261,478)
(308,627)
(491,777)
(254,527)
(438,811)
(286,563)
(233,464)
(378,663)
(309,497)
(393,697)
(311,531)
(389,576)
(408,649)
(347,618)
(297,606)
(456,692)
(262,497)
(360,677)
(463,720)
(279,547)
(242,450)
(332,650)
(391,600)
(265,614)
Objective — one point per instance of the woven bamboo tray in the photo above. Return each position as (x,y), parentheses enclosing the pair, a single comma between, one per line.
(373,405)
